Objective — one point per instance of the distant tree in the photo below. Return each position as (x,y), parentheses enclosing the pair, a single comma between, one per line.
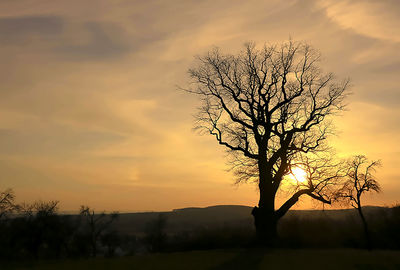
(156,236)
(42,208)
(7,203)
(268,107)
(7,207)
(97,225)
(360,180)
(40,228)
(38,208)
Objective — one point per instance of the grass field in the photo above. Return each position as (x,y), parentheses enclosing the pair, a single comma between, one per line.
(232,259)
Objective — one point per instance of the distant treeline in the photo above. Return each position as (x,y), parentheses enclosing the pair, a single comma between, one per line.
(38,231)
(172,231)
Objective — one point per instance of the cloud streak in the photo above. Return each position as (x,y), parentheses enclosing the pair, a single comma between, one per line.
(21,30)
(372,18)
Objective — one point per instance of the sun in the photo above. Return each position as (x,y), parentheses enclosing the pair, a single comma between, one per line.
(298,174)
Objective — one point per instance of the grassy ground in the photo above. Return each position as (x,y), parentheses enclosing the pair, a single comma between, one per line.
(233,259)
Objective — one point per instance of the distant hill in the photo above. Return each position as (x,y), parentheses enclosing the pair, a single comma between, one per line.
(188,219)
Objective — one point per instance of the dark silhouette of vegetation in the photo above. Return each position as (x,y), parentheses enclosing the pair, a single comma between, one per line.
(7,203)
(39,231)
(156,236)
(360,180)
(36,230)
(269,108)
(97,224)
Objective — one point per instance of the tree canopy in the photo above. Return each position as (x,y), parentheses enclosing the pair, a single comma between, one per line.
(270,107)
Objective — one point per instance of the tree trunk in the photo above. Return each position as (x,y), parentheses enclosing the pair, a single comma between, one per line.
(265,218)
(266,223)
(365,227)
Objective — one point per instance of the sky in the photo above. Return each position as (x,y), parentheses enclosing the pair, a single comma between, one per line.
(91,112)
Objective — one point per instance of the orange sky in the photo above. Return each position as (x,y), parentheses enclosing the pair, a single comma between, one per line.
(90,112)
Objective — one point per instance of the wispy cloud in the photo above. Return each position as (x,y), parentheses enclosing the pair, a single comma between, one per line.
(372,18)
(25,29)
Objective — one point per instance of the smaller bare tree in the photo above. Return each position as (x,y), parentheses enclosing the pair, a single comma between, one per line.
(97,223)
(7,203)
(360,180)
(41,218)
(156,236)
(38,209)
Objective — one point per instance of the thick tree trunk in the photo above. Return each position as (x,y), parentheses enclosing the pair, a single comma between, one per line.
(265,218)
(366,229)
(266,224)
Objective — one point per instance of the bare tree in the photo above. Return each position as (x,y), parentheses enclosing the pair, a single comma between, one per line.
(156,236)
(38,208)
(41,218)
(98,223)
(7,203)
(360,180)
(269,107)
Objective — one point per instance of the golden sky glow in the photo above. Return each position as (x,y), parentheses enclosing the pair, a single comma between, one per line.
(90,112)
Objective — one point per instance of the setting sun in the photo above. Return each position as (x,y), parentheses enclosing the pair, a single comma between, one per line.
(298,174)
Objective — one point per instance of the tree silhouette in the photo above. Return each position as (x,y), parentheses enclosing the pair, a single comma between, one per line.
(7,203)
(360,180)
(156,236)
(97,225)
(269,107)
(40,225)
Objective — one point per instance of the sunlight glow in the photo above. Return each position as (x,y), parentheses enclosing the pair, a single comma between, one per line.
(298,174)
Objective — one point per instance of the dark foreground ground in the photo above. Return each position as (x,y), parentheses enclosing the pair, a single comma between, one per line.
(233,259)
